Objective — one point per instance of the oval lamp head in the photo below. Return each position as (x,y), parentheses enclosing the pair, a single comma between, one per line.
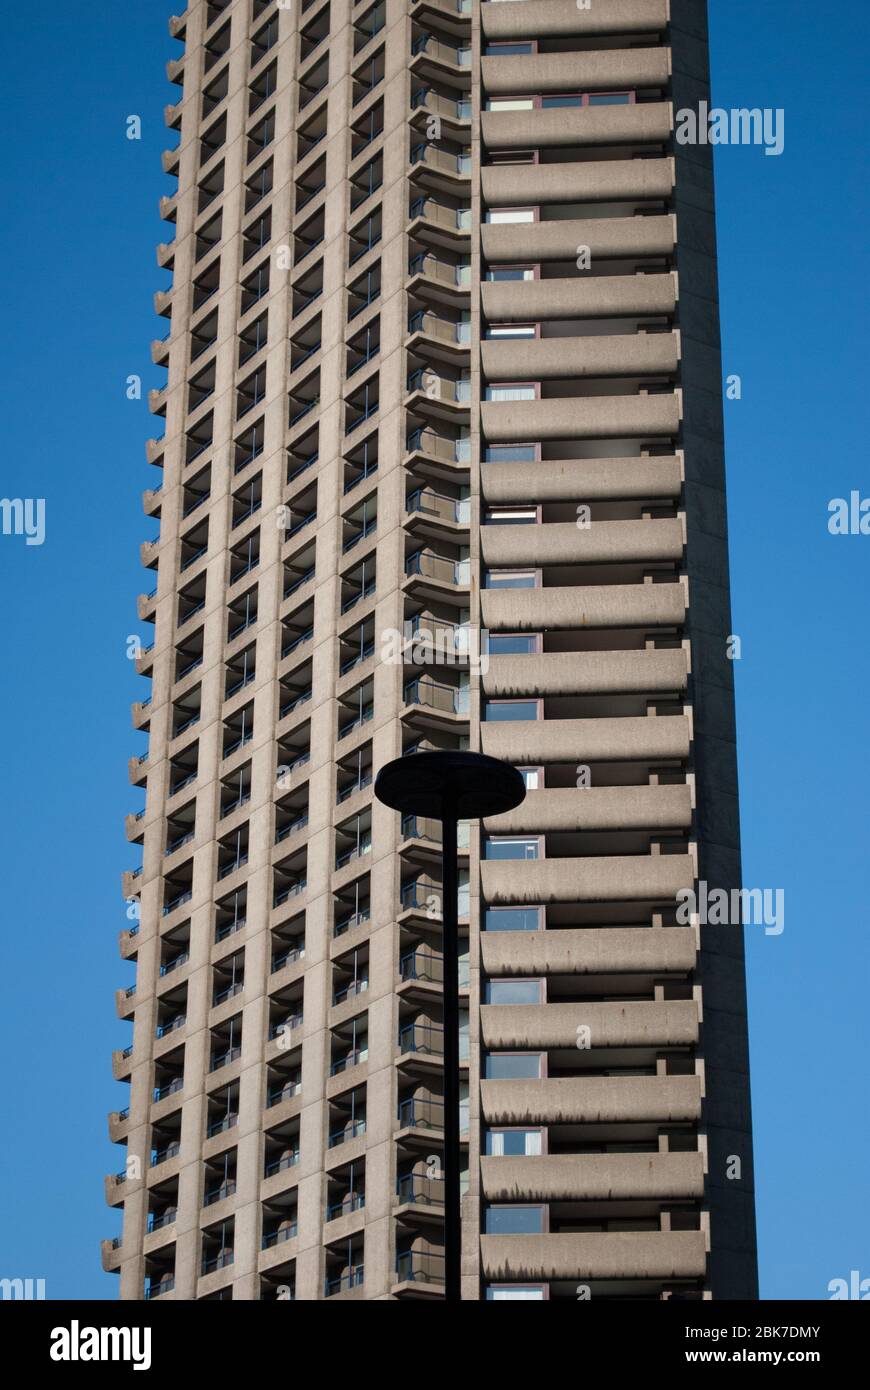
(466,786)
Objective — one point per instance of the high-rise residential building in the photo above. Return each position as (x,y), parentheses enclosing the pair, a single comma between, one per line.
(442,468)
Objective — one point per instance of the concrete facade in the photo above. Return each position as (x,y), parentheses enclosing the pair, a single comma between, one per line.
(443,380)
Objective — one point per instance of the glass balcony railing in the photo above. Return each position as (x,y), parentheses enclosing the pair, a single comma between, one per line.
(353,1279)
(445,699)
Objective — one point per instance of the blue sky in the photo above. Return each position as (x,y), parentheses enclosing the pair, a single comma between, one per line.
(81,225)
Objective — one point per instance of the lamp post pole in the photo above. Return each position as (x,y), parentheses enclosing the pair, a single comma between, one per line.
(450,786)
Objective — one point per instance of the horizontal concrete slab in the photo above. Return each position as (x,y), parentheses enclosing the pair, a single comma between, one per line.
(584,605)
(582,480)
(597,808)
(597,181)
(592,1100)
(581,417)
(528,742)
(635,123)
(587,951)
(605,878)
(592,1177)
(605,69)
(667,1023)
(586,673)
(591,296)
(548,18)
(566,543)
(573,358)
(602,1255)
(520,242)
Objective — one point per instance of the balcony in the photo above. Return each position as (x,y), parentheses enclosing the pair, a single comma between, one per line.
(663,1023)
(612,1177)
(437,698)
(636,123)
(561,18)
(581,358)
(584,606)
(641,416)
(600,1255)
(598,808)
(651,672)
(566,543)
(603,70)
(599,1100)
(611,878)
(596,181)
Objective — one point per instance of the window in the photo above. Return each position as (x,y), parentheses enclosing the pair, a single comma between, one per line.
(511,272)
(504,711)
(513,644)
(511,330)
(514,1221)
(514,1066)
(518,392)
(510,104)
(514,1142)
(512,919)
(511,579)
(516,1293)
(520,847)
(502,50)
(550,103)
(496,215)
(514,992)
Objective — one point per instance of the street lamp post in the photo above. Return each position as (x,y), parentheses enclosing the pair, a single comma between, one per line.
(450,786)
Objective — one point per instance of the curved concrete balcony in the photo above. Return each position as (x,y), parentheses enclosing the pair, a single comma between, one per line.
(163,303)
(154,450)
(588,951)
(595,296)
(597,808)
(552,18)
(599,70)
(595,879)
(601,1255)
(172,115)
(601,543)
(598,181)
(582,417)
(593,1177)
(672,1023)
(584,480)
(160,351)
(586,673)
(607,237)
(169,160)
(168,208)
(110,1255)
(573,358)
(592,1100)
(175,71)
(527,742)
(594,606)
(632,124)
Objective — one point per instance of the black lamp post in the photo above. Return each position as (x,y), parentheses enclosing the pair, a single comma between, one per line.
(450,787)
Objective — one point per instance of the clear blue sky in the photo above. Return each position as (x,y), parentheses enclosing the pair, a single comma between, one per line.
(80,229)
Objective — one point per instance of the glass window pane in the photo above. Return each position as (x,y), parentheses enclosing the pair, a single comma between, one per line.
(506,710)
(511,849)
(512,919)
(513,992)
(511,644)
(514,1221)
(513,1065)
